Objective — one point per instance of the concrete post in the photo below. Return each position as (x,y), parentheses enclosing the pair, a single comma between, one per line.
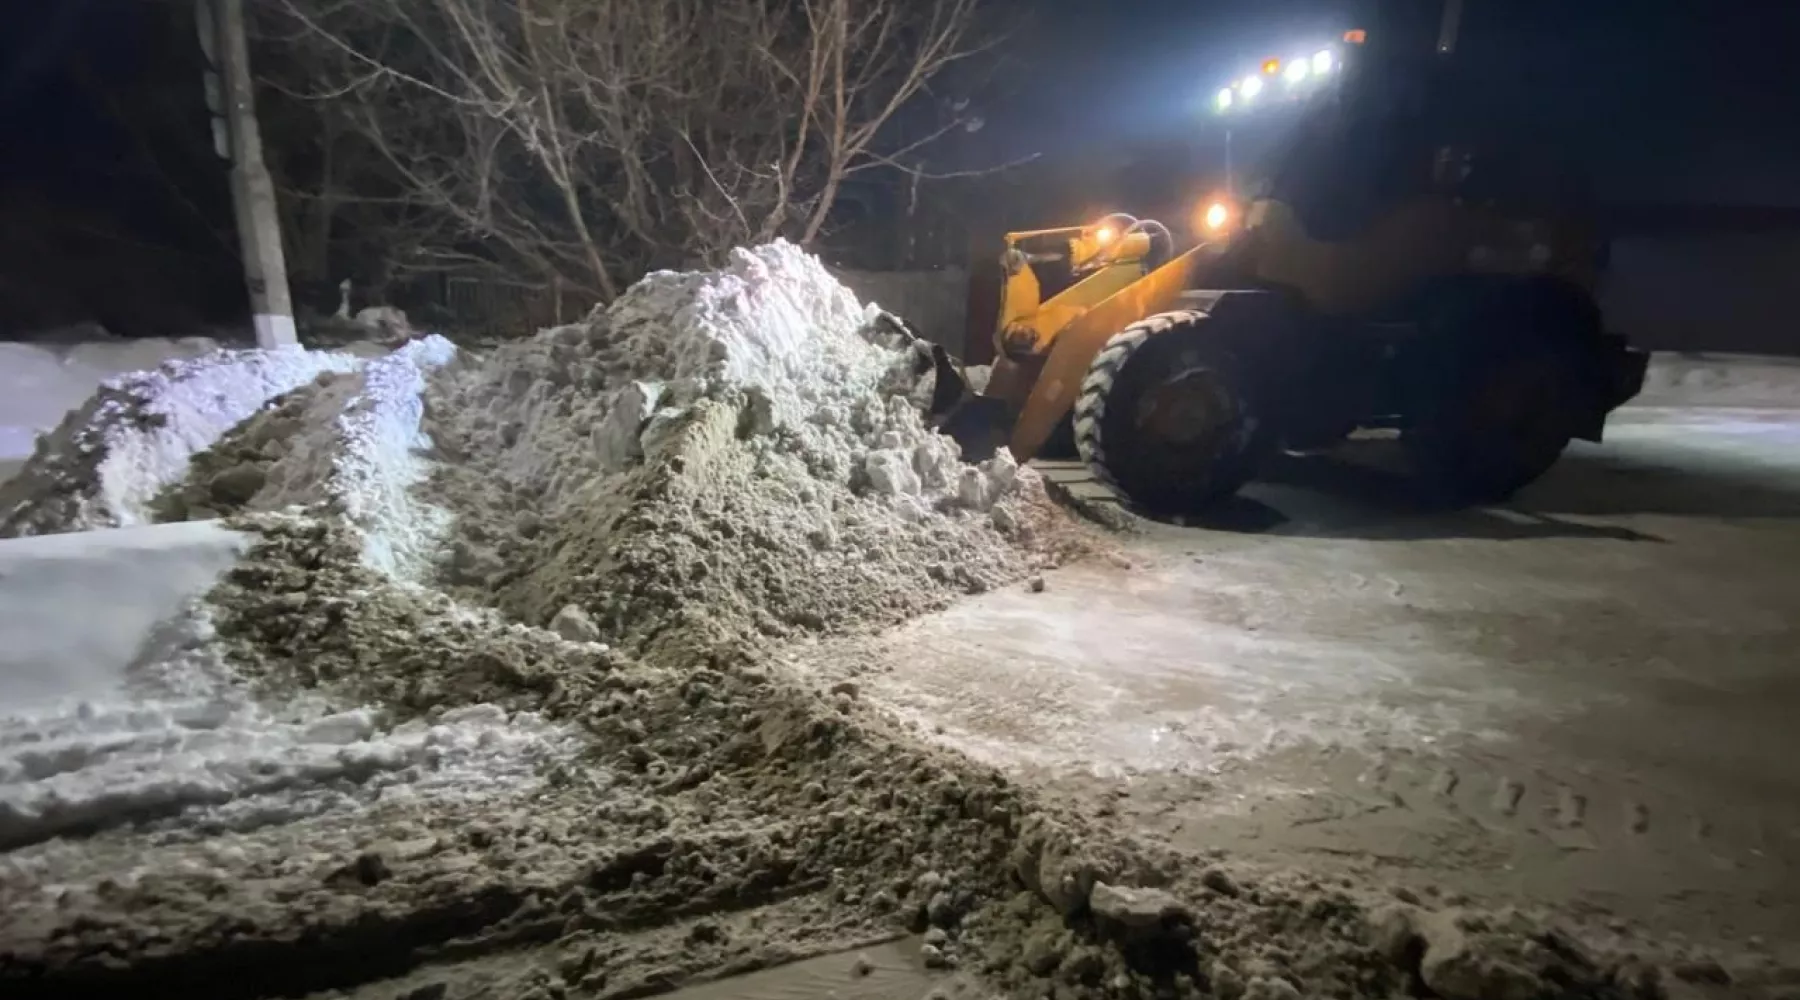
(231,93)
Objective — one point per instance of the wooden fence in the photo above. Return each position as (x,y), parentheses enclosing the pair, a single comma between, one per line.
(495,309)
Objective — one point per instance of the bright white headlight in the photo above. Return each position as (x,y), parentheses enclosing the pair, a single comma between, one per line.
(1251,86)
(1223,101)
(1322,61)
(1296,71)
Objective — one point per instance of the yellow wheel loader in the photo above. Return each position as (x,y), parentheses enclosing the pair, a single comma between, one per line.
(1386,270)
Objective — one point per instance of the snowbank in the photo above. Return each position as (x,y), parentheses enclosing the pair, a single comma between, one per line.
(41,382)
(53,646)
(109,458)
(135,715)
(742,445)
(760,387)
(461,566)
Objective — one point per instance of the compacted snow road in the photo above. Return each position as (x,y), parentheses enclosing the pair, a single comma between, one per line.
(1585,699)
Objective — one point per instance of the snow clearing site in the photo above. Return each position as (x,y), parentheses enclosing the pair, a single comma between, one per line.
(670,652)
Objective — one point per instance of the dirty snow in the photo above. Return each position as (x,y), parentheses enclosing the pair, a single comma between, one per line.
(639,469)
(361,449)
(46,378)
(134,715)
(718,463)
(182,739)
(109,459)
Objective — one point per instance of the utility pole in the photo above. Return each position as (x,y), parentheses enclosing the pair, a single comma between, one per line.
(231,96)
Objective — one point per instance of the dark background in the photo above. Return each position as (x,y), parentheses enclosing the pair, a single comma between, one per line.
(113,207)
(1677,100)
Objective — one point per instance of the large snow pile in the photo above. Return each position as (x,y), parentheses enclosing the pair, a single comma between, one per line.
(602,527)
(736,446)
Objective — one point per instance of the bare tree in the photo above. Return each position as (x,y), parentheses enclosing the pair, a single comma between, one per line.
(594,139)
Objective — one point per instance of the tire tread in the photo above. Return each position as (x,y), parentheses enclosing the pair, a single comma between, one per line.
(1097,384)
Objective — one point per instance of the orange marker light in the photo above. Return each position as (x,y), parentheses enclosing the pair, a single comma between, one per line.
(1217,216)
(1356,36)
(1271,66)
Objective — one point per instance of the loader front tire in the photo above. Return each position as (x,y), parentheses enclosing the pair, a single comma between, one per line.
(1169,415)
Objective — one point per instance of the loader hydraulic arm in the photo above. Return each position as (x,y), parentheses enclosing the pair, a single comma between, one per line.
(1102,258)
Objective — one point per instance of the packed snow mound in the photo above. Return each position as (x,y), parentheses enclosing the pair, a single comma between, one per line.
(772,317)
(591,533)
(105,463)
(349,441)
(738,446)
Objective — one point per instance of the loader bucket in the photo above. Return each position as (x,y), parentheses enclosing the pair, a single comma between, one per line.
(949,388)
(979,424)
(980,427)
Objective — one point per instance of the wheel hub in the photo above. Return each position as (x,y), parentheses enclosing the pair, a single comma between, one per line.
(1519,404)
(1191,412)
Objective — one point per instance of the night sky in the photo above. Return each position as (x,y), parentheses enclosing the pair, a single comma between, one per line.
(1665,99)
(1676,100)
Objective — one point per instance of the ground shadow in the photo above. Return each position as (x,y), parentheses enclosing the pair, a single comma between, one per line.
(1364,490)
(1672,479)
(1365,494)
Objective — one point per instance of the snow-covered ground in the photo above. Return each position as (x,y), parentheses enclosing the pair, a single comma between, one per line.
(723,455)
(115,708)
(1583,697)
(108,715)
(77,609)
(115,705)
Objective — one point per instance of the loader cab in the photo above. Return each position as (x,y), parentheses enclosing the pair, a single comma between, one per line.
(1403,177)
(1364,150)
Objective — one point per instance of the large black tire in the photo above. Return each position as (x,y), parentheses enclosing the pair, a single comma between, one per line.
(1170,415)
(1508,400)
